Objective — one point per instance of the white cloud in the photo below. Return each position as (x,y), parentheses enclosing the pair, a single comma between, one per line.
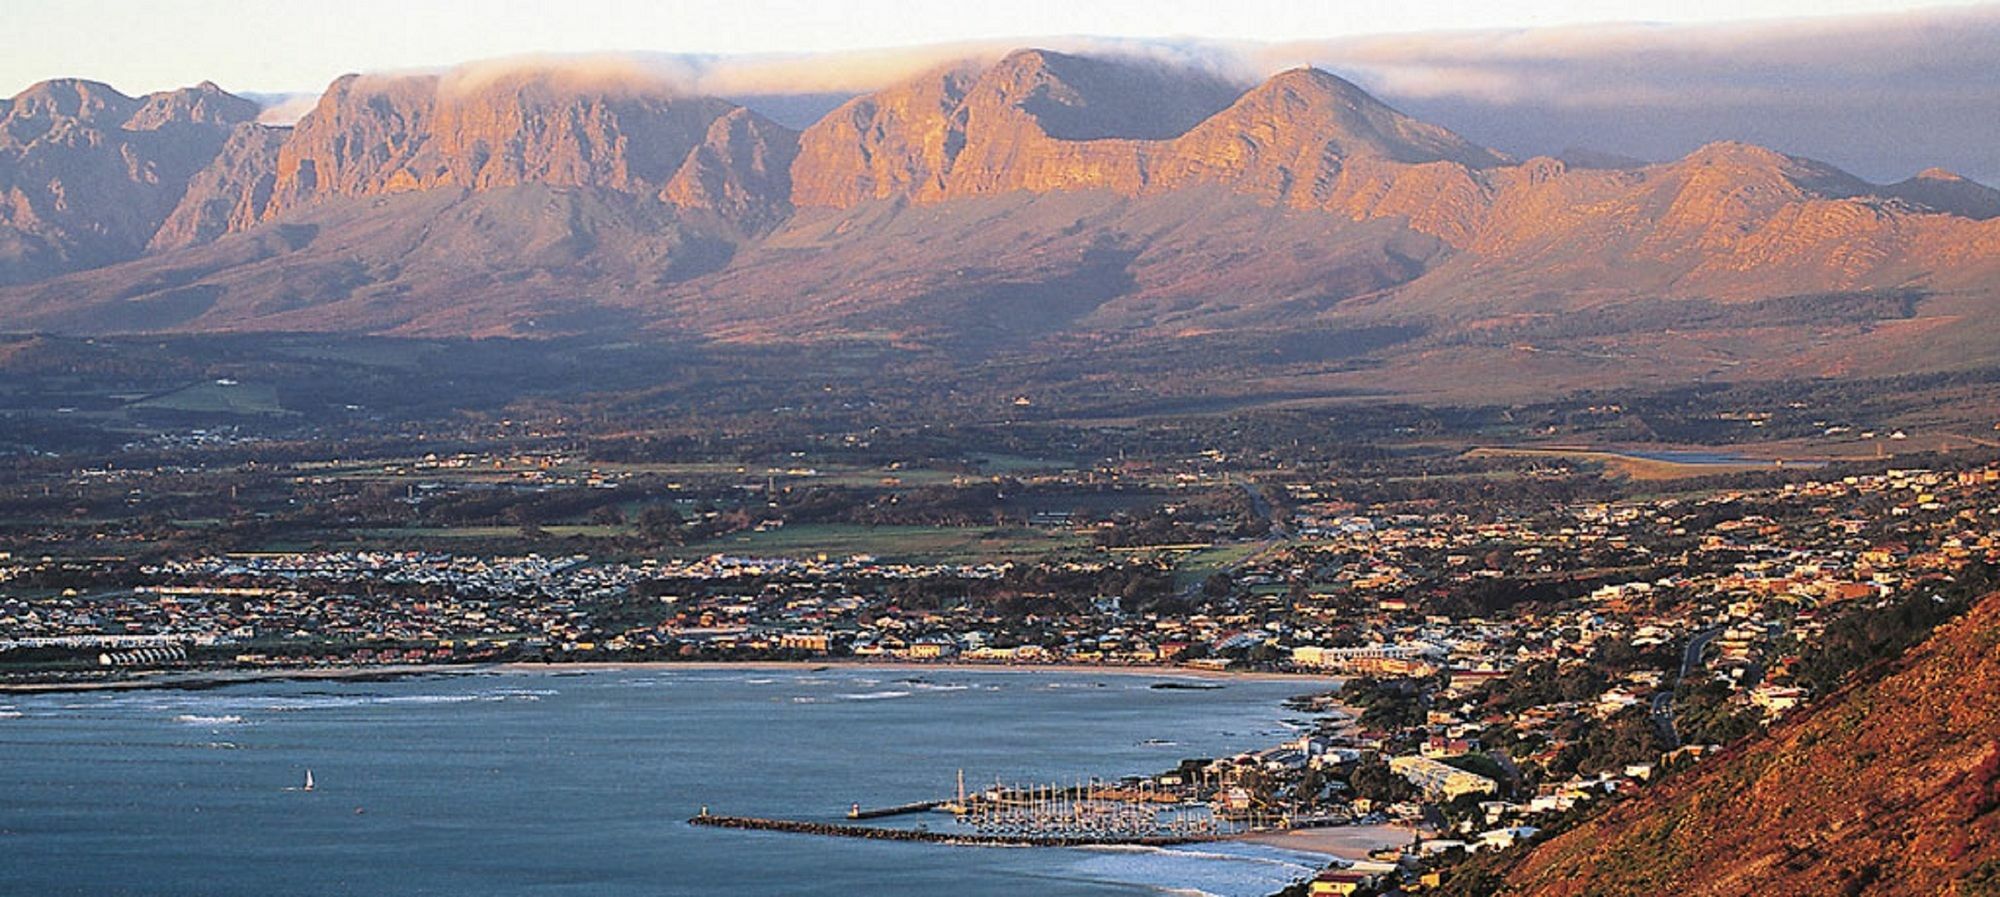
(1884,94)
(284,108)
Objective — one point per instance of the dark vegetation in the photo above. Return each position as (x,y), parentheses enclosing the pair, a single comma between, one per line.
(1859,645)
(1658,315)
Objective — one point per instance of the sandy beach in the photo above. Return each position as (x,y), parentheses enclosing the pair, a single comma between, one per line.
(216,678)
(899,666)
(220,677)
(1347,842)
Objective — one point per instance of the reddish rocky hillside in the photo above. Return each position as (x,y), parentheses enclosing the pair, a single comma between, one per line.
(1043,122)
(372,136)
(1889,788)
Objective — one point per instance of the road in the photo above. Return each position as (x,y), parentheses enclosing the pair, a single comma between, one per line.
(1663,702)
(1663,719)
(1506,765)
(1272,539)
(1262,508)
(1691,657)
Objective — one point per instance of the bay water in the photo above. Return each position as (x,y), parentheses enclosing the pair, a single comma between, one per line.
(565,782)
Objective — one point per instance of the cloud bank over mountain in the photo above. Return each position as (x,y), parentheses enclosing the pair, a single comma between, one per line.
(1884,96)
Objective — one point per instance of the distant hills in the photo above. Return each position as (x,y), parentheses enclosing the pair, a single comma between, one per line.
(1038,201)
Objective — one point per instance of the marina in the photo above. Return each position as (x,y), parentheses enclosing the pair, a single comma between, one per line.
(1133,811)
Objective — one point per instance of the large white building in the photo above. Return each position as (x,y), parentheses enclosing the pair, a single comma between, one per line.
(1440,779)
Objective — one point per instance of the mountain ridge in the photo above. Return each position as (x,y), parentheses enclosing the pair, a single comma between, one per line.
(1080,195)
(88,174)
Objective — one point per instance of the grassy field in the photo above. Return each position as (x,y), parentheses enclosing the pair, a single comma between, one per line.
(372,353)
(209,397)
(558,530)
(1014,464)
(1627,466)
(1200,565)
(921,544)
(406,468)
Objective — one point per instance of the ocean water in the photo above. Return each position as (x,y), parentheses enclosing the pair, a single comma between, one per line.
(567,783)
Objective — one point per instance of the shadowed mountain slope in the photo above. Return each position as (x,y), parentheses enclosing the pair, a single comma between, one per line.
(88,175)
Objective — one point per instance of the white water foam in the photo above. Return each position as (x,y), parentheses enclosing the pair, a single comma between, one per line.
(1224,871)
(196,719)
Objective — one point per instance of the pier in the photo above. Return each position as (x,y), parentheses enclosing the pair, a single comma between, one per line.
(841,830)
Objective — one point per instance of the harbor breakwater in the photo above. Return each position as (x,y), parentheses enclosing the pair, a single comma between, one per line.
(838,830)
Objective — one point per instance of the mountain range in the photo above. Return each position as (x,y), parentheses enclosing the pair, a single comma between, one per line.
(1045,199)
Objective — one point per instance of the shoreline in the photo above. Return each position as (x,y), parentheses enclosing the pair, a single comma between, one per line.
(217,678)
(196,680)
(899,666)
(1350,843)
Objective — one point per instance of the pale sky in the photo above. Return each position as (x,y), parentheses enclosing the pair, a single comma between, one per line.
(286,45)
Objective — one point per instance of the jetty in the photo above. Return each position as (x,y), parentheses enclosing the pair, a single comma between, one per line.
(922,806)
(878,833)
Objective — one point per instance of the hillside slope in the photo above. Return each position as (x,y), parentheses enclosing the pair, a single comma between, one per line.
(1891,787)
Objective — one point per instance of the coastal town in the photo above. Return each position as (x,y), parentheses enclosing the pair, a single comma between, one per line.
(1479,672)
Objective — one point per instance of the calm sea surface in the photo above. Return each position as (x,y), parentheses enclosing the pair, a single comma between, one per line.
(567,783)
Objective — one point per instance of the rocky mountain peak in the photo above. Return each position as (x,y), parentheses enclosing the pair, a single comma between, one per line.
(1075,97)
(896,142)
(1042,121)
(203,104)
(90,173)
(372,136)
(742,168)
(232,193)
(1947,191)
(1752,163)
(1296,194)
(1309,104)
(73,98)
(376,135)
